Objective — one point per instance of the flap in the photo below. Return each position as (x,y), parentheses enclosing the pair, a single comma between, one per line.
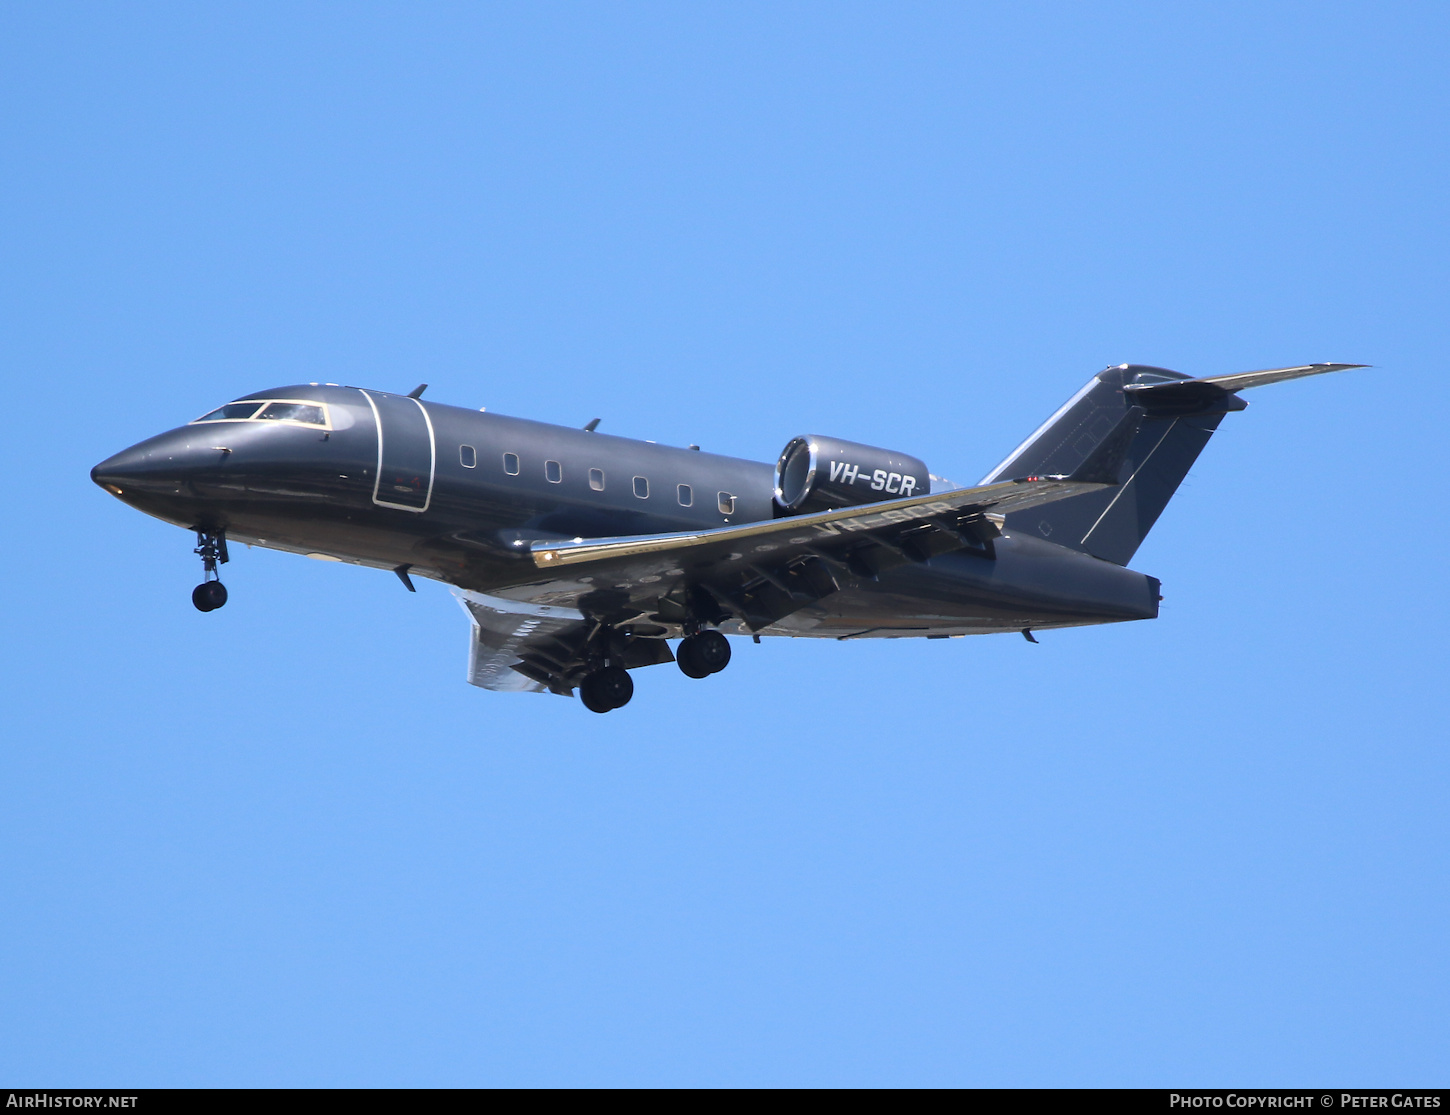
(509,634)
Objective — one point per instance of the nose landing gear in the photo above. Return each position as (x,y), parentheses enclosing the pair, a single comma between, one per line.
(702,654)
(211,547)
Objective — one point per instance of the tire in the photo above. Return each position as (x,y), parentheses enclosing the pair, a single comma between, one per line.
(208,596)
(609,688)
(589,694)
(616,685)
(688,661)
(712,651)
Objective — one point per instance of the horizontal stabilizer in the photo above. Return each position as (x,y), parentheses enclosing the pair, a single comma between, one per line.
(1239,381)
(1207,387)
(1213,394)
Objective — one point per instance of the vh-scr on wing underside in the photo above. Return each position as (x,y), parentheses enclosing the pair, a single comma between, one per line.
(579,556)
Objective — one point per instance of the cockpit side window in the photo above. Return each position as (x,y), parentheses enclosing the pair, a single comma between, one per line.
(231,412)
(309,413)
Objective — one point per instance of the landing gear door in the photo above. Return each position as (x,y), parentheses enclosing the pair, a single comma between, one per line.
(407,453)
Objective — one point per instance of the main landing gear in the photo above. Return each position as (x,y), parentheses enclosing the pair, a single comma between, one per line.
(606,689)
(211,547)
(608,685)
(702,654)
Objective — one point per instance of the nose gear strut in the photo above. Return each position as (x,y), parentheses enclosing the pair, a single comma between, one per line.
(211,547)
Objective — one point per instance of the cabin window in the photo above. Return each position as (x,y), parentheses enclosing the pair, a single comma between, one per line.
(641,487)
(553,472)
(308,413)
(687,495)
(467,456)
(511,463)
(726,503)
(596,479)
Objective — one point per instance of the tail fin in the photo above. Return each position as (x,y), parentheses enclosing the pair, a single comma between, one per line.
(1180,414)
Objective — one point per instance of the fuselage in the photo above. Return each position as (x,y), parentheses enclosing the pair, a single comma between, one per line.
(390,481)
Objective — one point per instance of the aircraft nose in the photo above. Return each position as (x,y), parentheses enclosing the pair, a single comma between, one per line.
(115,472)
(159,464)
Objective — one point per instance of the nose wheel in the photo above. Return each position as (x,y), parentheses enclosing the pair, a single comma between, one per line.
(209,596)
(211,547)
(703,654)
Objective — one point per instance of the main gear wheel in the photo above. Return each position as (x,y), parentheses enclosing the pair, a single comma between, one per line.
(703,654)
(606,689)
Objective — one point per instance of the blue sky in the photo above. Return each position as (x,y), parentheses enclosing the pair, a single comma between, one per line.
(287,844)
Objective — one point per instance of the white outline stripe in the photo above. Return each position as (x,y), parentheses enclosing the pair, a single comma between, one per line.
(432,456)
(1128,482)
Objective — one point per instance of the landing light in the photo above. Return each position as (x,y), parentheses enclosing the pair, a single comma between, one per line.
(115,491)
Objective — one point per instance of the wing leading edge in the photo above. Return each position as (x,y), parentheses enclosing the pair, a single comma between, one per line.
(872,521)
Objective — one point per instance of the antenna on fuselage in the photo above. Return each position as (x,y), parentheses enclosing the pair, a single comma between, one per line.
(591,425)
(417,392)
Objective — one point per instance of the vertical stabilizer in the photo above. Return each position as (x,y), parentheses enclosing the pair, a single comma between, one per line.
(1111,524)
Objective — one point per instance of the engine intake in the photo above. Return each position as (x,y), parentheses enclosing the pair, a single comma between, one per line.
(817,473)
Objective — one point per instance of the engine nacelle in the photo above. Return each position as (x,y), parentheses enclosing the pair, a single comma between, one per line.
(817,473)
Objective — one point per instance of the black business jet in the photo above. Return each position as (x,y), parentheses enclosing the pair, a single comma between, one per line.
(578,555)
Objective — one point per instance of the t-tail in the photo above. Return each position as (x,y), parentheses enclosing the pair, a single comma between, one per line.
(1179,415)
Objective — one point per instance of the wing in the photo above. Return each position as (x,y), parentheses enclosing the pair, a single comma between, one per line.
(757,573)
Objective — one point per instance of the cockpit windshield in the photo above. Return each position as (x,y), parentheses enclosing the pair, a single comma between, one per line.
(263,410)
(230,412)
